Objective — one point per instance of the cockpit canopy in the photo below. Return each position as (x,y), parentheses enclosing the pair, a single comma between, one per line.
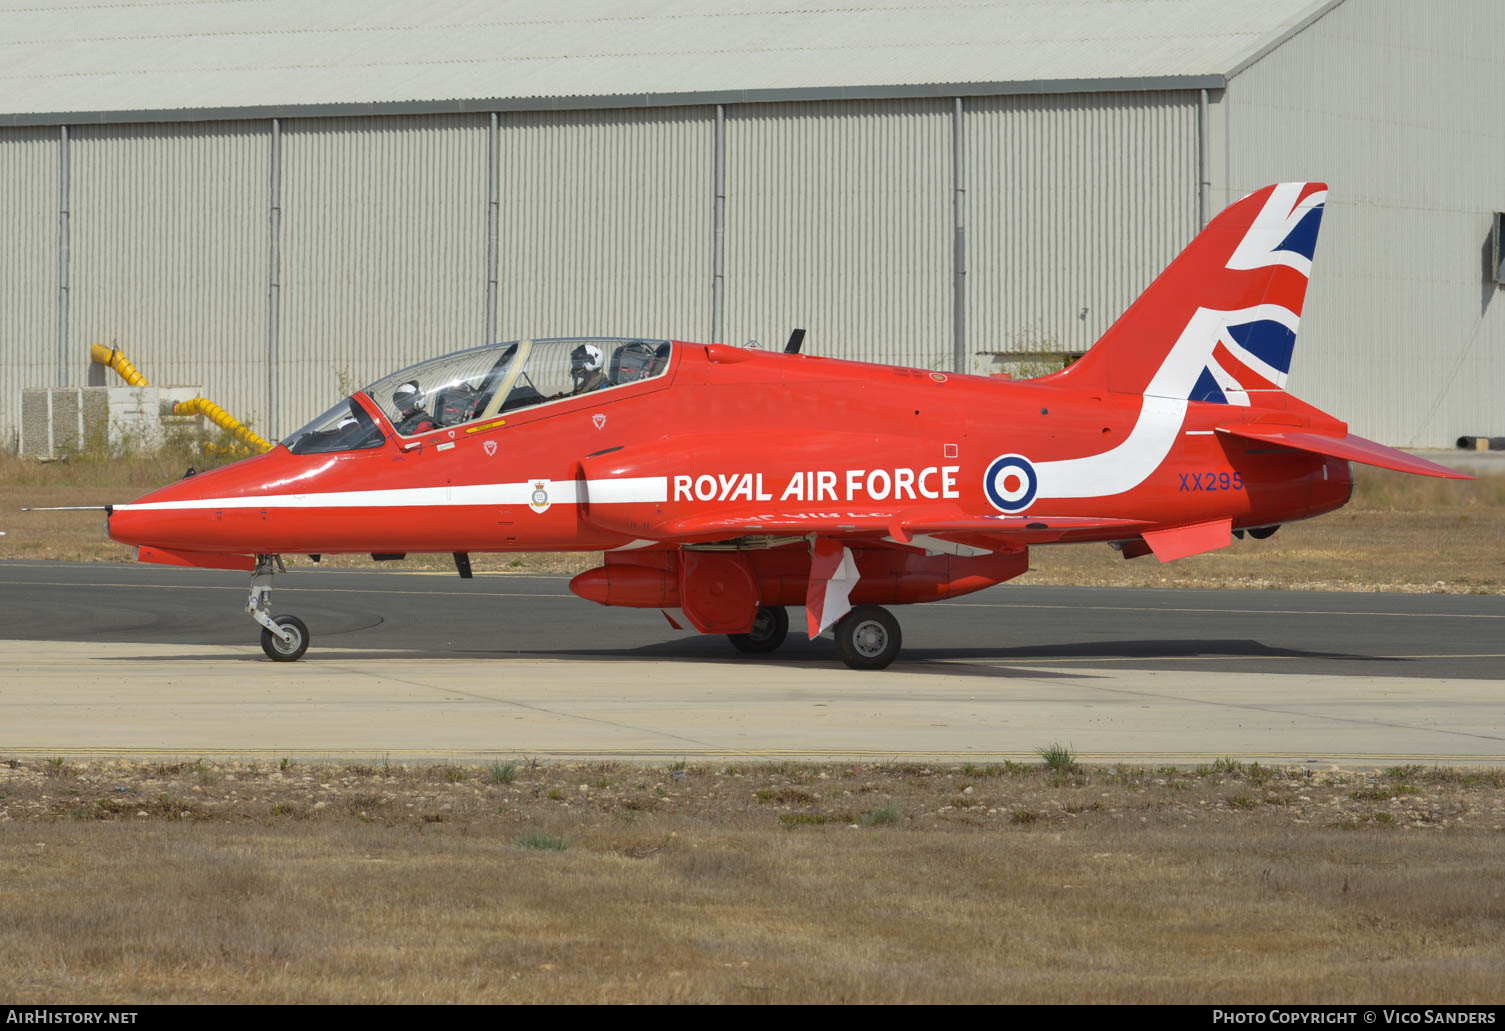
(481,383)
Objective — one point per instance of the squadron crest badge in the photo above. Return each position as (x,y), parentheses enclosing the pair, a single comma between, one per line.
(539,500)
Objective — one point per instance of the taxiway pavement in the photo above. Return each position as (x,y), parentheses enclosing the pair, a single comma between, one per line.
(99,659)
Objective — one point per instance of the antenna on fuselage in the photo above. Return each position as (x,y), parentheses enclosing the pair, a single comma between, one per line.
(796,341)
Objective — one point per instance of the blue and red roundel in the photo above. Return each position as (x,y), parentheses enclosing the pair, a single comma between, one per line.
(1011,483)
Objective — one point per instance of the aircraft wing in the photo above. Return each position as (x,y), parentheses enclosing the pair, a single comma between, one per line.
(1351,446)
(902,525)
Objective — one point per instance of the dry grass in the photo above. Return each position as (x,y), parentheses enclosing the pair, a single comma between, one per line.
(1399,533)
(237,883)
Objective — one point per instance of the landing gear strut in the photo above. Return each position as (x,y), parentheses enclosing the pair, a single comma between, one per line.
(283,638)
(868,637)
(770,627)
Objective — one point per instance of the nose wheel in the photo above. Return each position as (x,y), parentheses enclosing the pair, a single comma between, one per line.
(868,637)
(289,644)
(283,638)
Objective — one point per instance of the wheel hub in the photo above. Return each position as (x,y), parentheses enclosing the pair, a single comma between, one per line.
(288,640)
(870,638)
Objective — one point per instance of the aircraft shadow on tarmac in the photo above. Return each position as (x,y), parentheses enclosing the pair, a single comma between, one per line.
(1219,654)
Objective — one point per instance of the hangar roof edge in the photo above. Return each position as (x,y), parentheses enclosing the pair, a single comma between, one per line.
(619,101)
(114,61)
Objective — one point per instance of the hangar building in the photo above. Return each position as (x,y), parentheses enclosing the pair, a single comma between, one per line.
(280,200)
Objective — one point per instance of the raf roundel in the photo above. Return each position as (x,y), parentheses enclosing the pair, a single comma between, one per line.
(1011,483)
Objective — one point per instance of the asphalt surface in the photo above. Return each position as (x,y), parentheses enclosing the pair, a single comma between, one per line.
(428,615)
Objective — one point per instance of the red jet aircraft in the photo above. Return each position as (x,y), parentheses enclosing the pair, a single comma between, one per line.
(725,483)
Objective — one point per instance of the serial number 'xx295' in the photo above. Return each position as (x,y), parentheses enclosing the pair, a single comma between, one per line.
(1211,481)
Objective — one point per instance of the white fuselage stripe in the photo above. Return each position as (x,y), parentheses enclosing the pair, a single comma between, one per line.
(626,490)
(1161,415)
(1122,468)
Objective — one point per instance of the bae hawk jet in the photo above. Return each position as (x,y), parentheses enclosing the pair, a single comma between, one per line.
(726,485)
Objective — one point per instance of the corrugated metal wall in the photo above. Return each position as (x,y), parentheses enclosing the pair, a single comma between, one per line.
(1075,203)
(1393,105)
(383,250)
(605,223)
(28,269)
(168,255)
(839,220)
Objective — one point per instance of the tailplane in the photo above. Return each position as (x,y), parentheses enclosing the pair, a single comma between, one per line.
(1220,324)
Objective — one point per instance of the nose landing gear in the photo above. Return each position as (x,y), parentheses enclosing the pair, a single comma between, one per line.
(290,641)
(283,638)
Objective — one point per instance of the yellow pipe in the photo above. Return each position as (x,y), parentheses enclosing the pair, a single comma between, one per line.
(217,415)
(112,358)
(109,356)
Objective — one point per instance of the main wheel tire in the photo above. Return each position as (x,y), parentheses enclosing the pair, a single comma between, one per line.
(280,651)
(868,637)
(770,627)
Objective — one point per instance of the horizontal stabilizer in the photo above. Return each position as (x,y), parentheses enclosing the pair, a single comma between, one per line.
(1351,447)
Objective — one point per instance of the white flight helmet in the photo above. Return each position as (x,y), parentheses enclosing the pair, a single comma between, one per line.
(586,358)
(408,396)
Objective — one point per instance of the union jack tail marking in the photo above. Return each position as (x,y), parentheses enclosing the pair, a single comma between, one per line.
(1220,324)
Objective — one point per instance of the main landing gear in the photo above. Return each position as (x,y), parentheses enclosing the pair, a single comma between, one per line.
(868,637)
(283,638)
(770,627)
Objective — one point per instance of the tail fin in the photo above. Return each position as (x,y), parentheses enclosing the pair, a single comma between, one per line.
(1220,323)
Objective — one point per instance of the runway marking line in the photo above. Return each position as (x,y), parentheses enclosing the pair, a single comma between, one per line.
(293,590)
(400,655)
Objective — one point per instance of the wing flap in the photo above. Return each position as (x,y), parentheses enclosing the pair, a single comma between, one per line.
(1352,447)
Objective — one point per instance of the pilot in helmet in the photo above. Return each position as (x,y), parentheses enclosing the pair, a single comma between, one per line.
(586,370)
(411,416)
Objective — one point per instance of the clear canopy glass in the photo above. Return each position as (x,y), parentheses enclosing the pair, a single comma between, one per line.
(345,427)
(482,382)
(492,380)
(445,391)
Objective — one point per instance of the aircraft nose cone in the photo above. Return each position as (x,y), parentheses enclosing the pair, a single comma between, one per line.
(129,527)
(171,516)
